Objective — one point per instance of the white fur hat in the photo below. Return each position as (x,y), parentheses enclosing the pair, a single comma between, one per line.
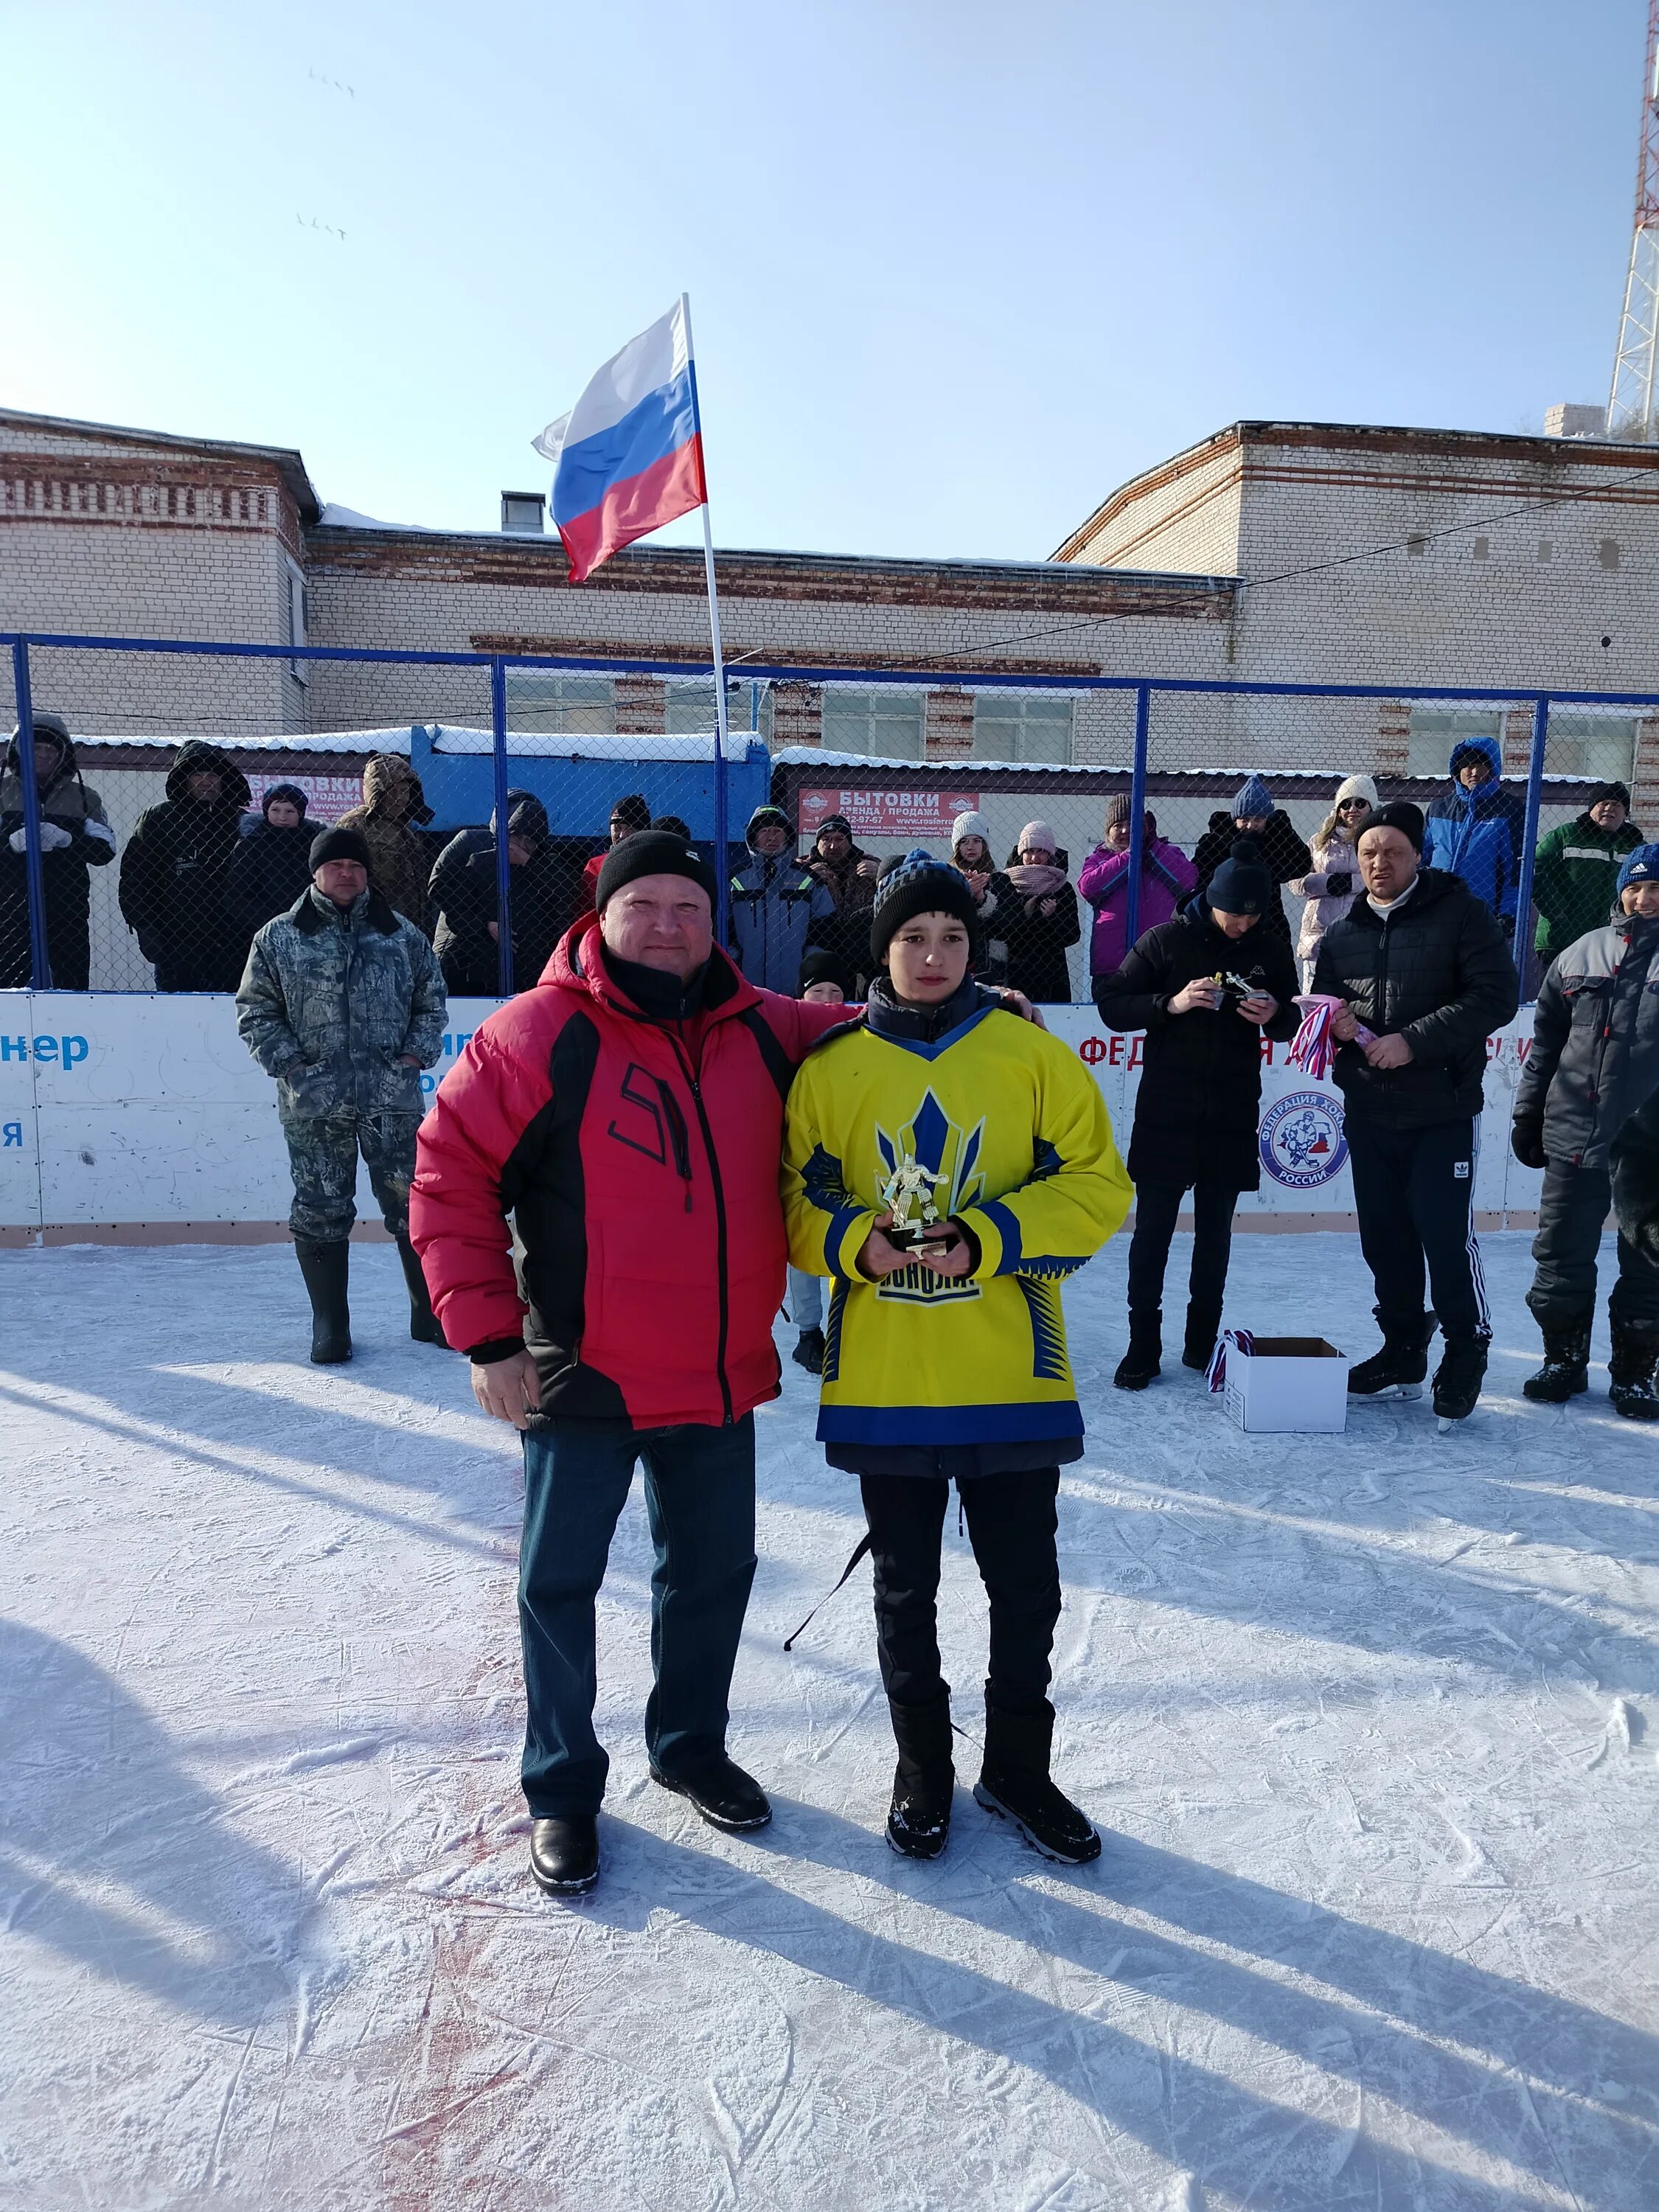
(1357,787)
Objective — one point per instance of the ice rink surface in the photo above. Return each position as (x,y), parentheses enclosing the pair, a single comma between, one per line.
(1370,1724)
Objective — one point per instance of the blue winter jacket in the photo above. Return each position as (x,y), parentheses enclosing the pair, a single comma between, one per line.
(775,903)
(1476,836)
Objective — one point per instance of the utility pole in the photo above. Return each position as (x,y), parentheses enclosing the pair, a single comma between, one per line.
(1631,407)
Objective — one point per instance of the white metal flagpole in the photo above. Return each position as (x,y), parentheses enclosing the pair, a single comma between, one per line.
(721,825)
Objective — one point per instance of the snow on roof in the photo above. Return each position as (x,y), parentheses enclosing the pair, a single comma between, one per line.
(572,745)
(329,741)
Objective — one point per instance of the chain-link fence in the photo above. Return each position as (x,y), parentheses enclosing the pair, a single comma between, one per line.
(167,802)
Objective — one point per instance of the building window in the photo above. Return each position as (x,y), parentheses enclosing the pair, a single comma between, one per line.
(688,707)
(1434,735)
(877,724)
(564,705)
(523,511)
(1546,549)
(1483,549)
(1022,726)
(1417,543)
(1600,746)
(1609,552)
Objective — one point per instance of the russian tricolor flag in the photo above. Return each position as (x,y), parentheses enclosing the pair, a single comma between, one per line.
(629,456)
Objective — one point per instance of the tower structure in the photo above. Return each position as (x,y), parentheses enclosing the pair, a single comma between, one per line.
(1630,408)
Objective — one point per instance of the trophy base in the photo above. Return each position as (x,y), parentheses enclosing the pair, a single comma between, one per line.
(912,1237)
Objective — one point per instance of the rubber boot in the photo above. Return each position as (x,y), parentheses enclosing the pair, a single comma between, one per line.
(1014,1784)
(919,1819)
(1631,1372)
(1139,1363)
(1203,1327)
(423,1324)
(1565,1370)
(326,1268)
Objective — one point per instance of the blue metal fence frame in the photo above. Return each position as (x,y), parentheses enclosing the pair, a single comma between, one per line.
(1143,687)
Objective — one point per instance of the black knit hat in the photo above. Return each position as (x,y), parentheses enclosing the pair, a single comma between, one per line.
(337,844)
(1602,790)
(633,811)
(1399,814)
(285,794)
(834,822)
(818,964)
(919,884)
(650,853)
(1242,884)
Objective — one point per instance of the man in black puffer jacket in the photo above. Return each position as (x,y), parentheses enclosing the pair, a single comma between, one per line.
(1425,966)
(1594,1064)
(1198,1109)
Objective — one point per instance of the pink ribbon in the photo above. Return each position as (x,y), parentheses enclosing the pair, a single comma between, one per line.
(1313,1048)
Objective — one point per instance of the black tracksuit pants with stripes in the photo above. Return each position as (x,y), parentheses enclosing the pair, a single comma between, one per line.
(1415,1192)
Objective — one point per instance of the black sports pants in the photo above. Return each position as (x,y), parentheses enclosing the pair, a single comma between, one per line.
(1414,1191)
(1157,1205)
(1571,1210)
(1012,1523)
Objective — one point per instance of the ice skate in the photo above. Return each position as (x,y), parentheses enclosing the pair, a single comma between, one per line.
(1457,1380)
(1398,1369)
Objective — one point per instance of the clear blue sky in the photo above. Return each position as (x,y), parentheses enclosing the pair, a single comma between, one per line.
(957,269)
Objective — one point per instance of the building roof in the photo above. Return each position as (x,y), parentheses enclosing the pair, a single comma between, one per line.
(1363,437)
(286,459)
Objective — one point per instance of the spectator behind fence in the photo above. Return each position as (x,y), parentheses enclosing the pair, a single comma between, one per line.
(1255,814)
(1043,921)
(1333,884)
(1594,1065)
(993,895)
(775,900)
(1476,830)
(175,874)
(342,1003)
(271,864)
(1200,1100)
(398,863)
(823,983)
(849,877)
(544,893)
(1424,965)
(1575,875)
(1166,876)
(629,814)
(74,837)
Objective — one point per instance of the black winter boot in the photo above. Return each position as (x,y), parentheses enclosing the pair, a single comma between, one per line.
(1139,1363)
(1399,1367)
(1203,1327)
(809,1351)
(423,1325)
(564,1854)
(919,1819)
(1458,1378)
(1631,1372)
(1565,1370)
(1014,1783)
(326,1268)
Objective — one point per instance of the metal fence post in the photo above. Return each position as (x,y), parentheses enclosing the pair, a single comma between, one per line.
(1137,811)
(39,957)
(722,857)
(1540,731)
(503,865)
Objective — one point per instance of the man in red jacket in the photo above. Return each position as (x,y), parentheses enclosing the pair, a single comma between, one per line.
(628,1112)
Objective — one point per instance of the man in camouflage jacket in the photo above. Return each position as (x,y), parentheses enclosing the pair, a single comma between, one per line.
(342,1001)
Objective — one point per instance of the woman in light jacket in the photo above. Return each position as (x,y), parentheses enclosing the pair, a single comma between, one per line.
(1333,884)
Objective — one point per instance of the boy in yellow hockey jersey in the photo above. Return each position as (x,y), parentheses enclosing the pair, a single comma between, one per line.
(950,1362)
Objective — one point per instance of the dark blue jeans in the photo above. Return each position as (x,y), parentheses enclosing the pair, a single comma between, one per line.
(699,1498)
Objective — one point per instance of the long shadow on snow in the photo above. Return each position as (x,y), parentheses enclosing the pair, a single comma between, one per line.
(1542,2110)
(1243,2144)
(91,1790)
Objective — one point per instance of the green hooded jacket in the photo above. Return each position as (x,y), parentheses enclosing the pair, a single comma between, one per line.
(1575,879)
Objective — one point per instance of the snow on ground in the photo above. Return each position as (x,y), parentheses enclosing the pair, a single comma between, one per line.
(1368,1721)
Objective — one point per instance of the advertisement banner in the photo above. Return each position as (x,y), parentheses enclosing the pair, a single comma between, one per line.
(138,1109)
(327,797)
(886,812)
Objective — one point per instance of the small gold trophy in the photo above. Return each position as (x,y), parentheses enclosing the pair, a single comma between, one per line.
(908,1194)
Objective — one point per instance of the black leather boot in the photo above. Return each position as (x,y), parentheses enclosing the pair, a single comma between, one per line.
(1631,1372)
(1203,1327)
(326,1268)
(422,1321)
(564,1854)
(1565,1370)
(919,1819)
(1139,1363)
(1014,1783)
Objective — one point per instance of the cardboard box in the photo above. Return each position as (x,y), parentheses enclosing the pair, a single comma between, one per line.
(1297,1383)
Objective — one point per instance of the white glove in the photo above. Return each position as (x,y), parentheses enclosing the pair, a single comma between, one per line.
(19,840)
(53,839)
(101,831)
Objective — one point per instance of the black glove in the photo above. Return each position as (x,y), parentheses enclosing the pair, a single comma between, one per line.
(1339,885)
(1527,1143)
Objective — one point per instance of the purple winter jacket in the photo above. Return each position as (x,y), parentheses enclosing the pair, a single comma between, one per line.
(1166,876)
